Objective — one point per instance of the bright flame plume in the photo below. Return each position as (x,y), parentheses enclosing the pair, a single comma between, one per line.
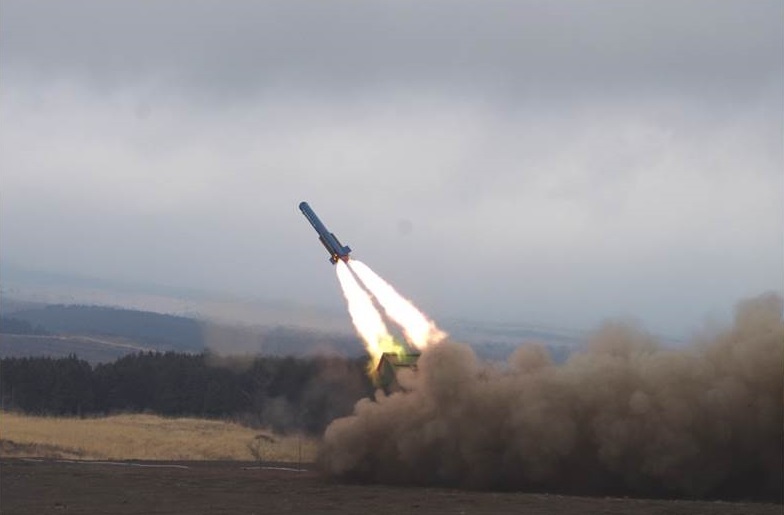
(418,330)
(366,318)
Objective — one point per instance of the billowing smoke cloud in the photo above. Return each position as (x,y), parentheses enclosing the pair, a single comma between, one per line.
(623,416)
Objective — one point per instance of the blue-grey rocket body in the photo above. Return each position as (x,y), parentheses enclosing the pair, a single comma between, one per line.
(330,241)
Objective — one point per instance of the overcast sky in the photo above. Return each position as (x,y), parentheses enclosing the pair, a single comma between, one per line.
(550,162)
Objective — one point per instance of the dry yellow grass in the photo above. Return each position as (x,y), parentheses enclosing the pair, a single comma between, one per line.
(146,437)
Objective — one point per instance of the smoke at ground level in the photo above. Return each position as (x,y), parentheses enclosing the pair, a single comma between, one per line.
(624,416)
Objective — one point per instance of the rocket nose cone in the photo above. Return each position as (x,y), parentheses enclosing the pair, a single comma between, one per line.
(303,205)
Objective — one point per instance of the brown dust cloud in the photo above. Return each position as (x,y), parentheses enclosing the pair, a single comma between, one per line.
(624,415)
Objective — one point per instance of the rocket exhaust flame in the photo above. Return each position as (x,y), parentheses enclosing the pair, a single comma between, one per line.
(366,318)
(417,329)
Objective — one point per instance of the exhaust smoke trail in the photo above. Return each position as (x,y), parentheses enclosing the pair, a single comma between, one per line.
(417,329)
(366,318)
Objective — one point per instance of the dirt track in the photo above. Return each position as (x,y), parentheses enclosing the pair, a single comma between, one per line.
(39,487)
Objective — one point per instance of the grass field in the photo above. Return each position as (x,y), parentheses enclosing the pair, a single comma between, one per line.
(146,437)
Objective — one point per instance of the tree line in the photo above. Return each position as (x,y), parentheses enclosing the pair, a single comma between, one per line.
(285,393)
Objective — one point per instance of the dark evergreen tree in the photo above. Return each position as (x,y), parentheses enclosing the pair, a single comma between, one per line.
(283,393)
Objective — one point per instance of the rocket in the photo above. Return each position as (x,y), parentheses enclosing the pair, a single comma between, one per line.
(334,247)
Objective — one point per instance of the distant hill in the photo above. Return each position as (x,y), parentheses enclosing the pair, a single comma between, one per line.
(12,325)
(101,334)
(162,332)
(496,342)
(74,306)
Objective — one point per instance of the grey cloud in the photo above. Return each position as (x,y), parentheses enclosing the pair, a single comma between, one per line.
(507,47)
(555,161)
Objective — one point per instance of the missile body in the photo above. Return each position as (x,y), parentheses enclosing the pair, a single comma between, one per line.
(329,240)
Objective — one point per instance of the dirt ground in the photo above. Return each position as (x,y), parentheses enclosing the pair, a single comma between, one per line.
(40,487)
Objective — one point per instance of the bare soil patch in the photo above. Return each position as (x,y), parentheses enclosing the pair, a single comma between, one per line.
(46,486)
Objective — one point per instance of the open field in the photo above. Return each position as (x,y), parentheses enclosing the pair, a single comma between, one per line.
(40,487)
(146,437)
(52,465)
